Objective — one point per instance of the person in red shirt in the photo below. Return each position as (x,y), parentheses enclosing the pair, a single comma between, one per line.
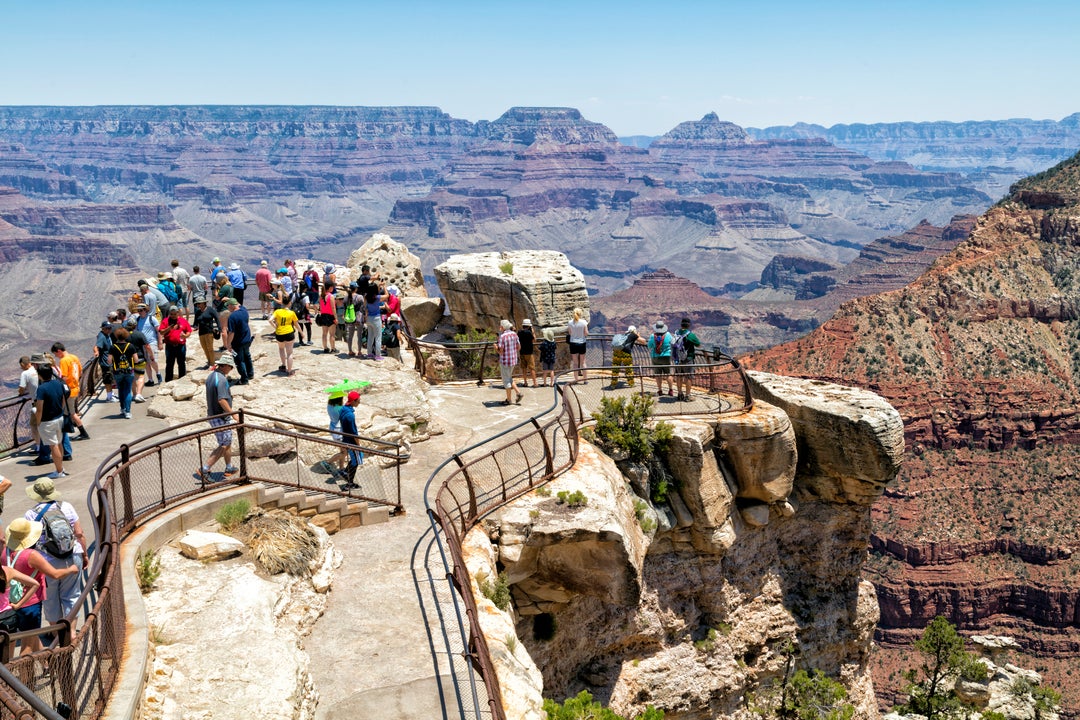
(262,281)
(173,334)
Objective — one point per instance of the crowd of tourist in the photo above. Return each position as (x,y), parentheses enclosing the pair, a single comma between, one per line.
(671,355)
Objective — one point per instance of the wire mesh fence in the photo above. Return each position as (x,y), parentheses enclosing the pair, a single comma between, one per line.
(141,479)
(480,479)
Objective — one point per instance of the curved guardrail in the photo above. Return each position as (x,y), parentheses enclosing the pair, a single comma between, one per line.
(138,480)
(481,478)
(15,410)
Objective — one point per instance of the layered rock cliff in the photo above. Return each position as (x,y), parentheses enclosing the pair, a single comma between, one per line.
(690,605)
(981,356)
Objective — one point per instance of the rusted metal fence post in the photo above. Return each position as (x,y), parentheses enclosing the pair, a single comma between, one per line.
(241,436)
(125,483)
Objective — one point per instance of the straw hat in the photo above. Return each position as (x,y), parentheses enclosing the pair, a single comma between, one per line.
(21,534)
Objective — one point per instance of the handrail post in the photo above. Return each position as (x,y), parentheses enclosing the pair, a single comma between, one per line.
(480,371)
(241,437)
(549,459)
(125,483)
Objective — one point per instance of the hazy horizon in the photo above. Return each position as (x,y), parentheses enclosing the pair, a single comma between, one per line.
(638,68)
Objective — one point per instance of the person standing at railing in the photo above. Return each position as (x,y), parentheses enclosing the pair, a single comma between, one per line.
(64,548)
(71,372)
(578,332)
(219,400)
(101,351)
(683,350)
(547,357)
(28,385)
(26,594)
(509,346)
(49,408)
(348,436)
(660,353)
(528,352)
(622,345)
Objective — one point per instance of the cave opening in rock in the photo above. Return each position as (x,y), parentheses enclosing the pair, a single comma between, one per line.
(543,626)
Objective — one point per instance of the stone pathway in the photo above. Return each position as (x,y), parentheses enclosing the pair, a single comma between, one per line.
(369,653)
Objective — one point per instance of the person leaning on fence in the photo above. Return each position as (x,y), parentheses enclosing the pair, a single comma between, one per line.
(683,349)
(547,357)
(660,353)
(528,352)
(509,346)
(622,360)
(348,436)
(218,401)
(26,593)
(28,385)
(71,372)
(62,545)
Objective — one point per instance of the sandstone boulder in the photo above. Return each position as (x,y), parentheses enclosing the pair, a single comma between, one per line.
(760,446)
(392,261)
(208,546)
(543,287)
(552,552)
(422,313)
(851,441)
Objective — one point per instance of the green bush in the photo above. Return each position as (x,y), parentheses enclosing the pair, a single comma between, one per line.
(497,590)
(583,707)
(573,499)
(232,514)
(621,426)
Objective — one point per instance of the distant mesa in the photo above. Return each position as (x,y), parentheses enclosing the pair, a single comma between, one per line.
(708,129)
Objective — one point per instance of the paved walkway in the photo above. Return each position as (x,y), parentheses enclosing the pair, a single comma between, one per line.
(369,653)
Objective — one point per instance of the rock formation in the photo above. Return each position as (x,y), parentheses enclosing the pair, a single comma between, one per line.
(392,261)
(981,357)
(689,605)
(991,153)
(541,286)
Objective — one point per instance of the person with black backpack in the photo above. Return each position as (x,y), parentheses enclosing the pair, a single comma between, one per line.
(62,543)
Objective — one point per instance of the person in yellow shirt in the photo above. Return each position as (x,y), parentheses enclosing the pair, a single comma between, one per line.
(71,372)
(284,321)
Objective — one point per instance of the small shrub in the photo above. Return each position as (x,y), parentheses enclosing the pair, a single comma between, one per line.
(660,491)
(231,515)
(534,514)
(511,643)
(543,491)
(147,570)
(707,643)
(497,590)
(583,707)
(648,524)
(572,499)
(621,426)
(506,268)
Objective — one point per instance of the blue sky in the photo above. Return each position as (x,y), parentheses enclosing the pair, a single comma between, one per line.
(640,68)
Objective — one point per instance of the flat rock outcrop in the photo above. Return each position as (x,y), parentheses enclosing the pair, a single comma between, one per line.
(687,605)
(542,286)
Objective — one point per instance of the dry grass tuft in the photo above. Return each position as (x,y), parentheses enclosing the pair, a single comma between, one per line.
(279,541)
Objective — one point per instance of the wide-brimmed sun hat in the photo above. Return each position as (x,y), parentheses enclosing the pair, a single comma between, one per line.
(227,359)
(43,491)
(659,327)
(21,534)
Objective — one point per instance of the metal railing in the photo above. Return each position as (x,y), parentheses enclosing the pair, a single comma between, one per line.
(138,480)
(486,476)
(15,410)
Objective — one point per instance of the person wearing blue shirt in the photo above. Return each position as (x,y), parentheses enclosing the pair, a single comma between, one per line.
(660,352)
(240,339)
(348,436)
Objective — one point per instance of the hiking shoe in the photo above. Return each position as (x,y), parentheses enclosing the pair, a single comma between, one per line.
(230,471)
(518,400)
(202,474)
(150,383)
(57,475)
(669,392)
(140,399)
(111,398)
(159,378)
(127,416)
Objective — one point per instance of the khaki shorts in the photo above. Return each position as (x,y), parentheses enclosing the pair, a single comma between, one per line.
(528,363)
(51,431)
